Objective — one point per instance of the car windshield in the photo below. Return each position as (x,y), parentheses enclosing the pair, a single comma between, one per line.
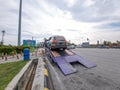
(59,38)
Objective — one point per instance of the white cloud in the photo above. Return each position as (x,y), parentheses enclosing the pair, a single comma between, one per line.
(88,3)
(75,19)
(70,3)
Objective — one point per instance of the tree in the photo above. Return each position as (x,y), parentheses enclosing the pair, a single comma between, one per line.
(87,39)
(106,42)
(118,42)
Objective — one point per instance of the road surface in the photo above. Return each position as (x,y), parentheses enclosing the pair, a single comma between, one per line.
(106,76)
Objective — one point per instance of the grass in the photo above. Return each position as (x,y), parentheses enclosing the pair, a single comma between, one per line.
(8,71)
(32,49)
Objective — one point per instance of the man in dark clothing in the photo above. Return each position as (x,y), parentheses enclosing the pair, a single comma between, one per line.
(45,42)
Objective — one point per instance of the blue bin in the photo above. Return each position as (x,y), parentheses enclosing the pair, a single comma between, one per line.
(26,53)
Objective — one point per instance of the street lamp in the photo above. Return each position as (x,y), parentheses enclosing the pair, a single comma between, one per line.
(3,33)
(19,24)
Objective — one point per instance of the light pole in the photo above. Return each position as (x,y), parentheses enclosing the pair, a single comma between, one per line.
(19,24)
(32,44)
(3,33)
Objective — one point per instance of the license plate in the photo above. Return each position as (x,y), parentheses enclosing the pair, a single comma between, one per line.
(61,43)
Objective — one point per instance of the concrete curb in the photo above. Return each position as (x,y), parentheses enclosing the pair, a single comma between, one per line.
(38,82)
(46,76)
(12,85)
(57,82)
(46,73)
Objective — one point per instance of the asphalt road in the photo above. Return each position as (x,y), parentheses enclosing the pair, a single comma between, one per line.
(106,76)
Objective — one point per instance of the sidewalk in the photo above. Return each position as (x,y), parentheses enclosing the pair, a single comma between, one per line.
(20,57)
(10,59)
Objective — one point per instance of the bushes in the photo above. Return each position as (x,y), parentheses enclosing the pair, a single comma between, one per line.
(6,49)
(20,49)
(10,49)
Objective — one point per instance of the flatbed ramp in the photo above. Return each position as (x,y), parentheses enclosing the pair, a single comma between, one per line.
(76,58)
(64,58)
(65,67)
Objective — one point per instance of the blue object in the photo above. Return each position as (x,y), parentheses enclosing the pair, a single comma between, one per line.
(65,67)
(81,60)
(26,53)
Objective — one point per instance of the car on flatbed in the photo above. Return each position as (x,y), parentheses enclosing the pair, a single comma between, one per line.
(57,42)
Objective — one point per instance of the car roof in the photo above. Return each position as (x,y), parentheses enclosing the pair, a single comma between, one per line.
(57,36)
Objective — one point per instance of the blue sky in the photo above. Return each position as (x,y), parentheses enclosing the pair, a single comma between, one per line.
(77,20)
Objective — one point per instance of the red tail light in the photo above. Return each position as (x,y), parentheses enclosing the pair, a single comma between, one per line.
(54,41)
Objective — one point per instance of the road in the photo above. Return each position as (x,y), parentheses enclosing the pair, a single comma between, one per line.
(106,76)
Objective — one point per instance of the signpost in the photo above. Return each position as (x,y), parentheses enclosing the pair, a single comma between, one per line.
(31,43)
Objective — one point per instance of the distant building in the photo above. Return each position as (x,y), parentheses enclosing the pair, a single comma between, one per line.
(85,44)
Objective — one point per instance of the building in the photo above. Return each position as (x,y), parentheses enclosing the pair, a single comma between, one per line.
(85,44)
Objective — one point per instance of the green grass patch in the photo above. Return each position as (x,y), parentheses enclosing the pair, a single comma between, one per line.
(32,49)
(8,71)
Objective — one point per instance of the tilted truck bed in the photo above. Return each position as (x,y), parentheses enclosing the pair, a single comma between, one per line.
(64,58)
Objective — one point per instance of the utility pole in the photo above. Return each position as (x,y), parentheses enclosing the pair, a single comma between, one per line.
(19,24)
(32,44)
(3,33)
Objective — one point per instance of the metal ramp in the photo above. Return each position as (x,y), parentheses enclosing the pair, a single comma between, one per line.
(76,58)
(64,59)
(65,67)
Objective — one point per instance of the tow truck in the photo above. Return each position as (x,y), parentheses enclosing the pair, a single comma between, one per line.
(64,58)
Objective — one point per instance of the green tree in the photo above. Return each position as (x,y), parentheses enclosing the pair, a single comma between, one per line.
(107,43)
(118,42)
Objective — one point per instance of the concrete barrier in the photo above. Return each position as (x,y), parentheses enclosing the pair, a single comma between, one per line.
(38,82)
(46,80)
(41,79)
